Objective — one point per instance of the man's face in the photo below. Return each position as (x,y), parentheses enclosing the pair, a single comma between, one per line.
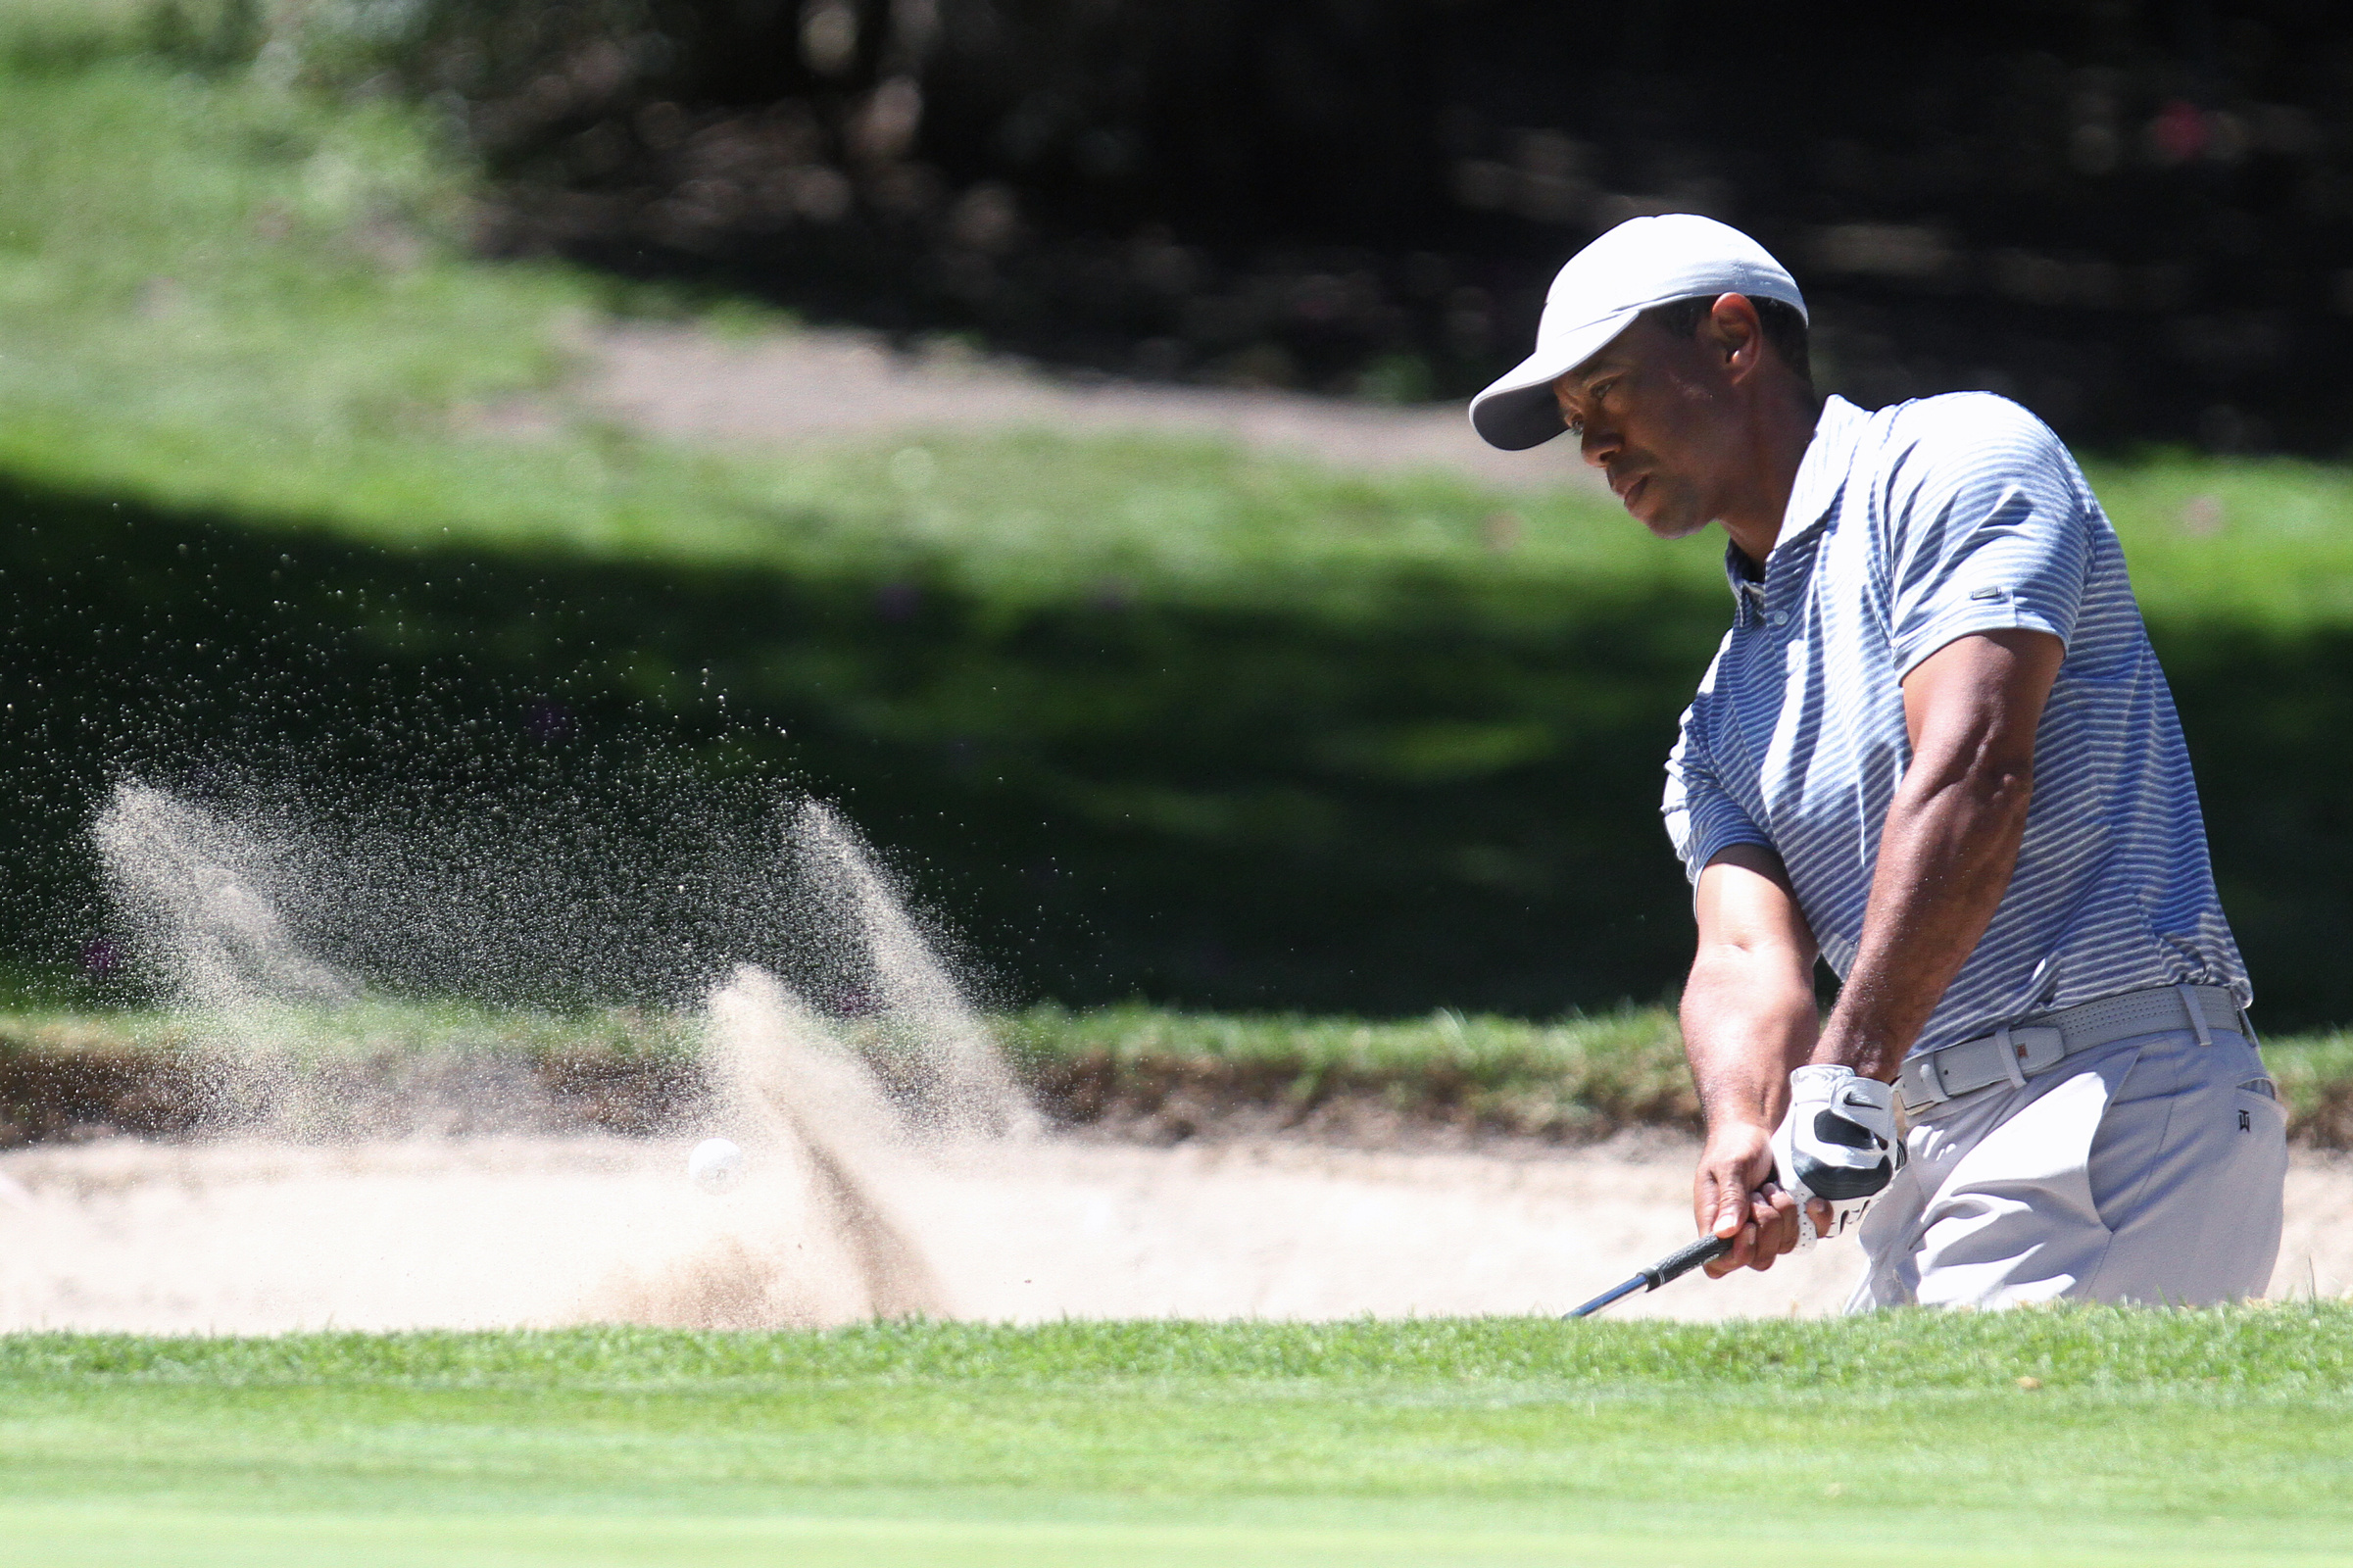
(1655,412)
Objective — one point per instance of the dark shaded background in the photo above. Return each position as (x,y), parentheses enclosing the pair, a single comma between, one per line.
(2137,218)
(2132,216)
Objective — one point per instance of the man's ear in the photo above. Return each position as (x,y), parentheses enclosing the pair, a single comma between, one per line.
(1735,332)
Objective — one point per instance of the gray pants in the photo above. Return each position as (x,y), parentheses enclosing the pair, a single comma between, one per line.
(2145,1170)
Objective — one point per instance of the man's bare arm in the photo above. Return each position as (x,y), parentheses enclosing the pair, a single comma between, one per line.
(1950,842)
(1748,1017)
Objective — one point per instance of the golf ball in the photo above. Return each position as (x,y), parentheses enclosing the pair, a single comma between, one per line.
(716,1165)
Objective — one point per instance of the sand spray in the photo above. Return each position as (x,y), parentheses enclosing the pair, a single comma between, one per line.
(834,1113)
(812,1237)
(841,1128)
(959,1085)
(198,896)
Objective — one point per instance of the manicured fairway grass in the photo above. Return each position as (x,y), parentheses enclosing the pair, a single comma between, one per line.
(2153,1438)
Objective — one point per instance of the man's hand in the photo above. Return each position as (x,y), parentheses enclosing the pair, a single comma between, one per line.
(1838,1147)
(1734,1194)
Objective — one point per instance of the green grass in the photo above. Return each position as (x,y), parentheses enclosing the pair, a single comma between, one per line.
(219,295)
(1575,1078)
(372,1025)
(2164,1438)
(1578,1077)
(52,1009)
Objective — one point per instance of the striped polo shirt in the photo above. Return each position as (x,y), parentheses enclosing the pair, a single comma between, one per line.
(1907,528)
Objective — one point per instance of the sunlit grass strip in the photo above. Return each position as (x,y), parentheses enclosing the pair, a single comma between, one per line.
(2104,1436)
(2303,1347)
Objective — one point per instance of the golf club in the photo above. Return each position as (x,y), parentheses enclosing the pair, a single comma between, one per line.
(1673,1266)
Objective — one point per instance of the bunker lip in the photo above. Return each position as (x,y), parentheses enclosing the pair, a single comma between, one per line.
(71,1079)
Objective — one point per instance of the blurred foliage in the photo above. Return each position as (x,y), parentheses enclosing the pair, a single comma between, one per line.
(221,36)
(234,297)
(2133,215)
(294,488)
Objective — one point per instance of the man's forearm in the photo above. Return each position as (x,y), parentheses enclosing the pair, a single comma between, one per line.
(1746,1021)
(1950,842)
(1945,860)
(1748,1018)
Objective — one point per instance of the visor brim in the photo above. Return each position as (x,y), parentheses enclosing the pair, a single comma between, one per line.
(1519,411)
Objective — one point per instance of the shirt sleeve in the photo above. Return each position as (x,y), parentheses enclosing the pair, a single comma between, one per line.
(1989,530)
(1701,819)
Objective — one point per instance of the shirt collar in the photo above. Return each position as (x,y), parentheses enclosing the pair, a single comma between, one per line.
(1821,476)
(1822,473)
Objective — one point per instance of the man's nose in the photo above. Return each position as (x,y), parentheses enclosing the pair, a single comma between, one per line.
(1598,443)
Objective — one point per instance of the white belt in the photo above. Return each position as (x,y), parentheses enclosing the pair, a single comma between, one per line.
(2018,1052)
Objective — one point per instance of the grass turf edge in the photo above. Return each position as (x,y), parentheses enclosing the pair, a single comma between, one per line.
(70,1074)
(2301,1349)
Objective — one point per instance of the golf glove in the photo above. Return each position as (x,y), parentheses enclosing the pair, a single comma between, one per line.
(1838,1143)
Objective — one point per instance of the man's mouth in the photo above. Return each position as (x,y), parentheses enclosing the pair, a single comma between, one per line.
(1630,487)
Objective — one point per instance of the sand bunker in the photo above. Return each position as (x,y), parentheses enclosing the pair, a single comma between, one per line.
(909,1179)
(257,1237)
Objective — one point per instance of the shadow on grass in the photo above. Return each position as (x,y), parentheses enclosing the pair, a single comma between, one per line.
(539,775)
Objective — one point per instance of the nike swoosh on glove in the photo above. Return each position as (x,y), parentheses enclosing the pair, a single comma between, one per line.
(1838,1143)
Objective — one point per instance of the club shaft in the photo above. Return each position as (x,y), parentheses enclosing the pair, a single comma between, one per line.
(1639,1282)
(1673,1266)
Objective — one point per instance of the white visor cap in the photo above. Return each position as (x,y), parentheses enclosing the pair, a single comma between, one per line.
(1644,261)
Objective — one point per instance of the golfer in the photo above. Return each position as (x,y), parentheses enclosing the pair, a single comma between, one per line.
(1935,750)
